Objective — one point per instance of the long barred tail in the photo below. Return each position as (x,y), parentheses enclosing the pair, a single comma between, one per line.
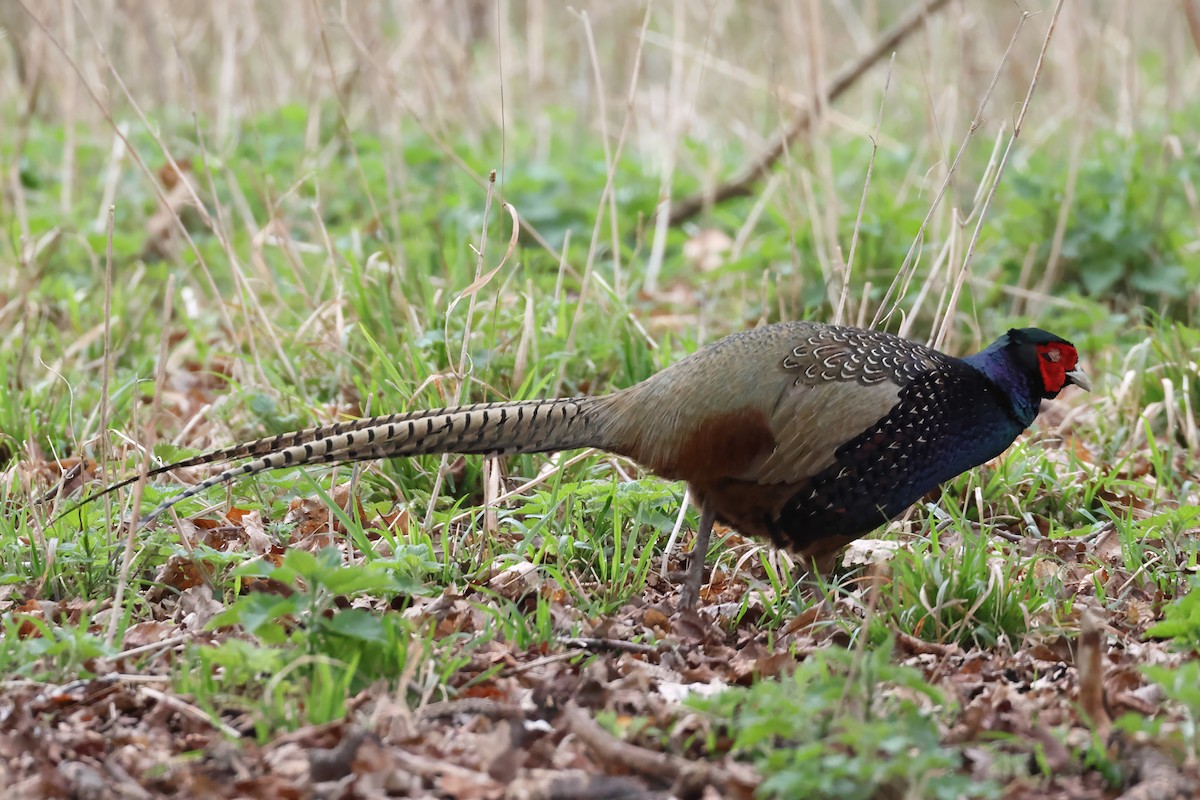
(272,444)
(535,426)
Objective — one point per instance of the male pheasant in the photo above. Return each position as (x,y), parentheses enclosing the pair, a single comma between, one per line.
(808,434)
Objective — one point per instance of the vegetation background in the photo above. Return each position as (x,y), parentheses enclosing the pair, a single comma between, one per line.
(228,219)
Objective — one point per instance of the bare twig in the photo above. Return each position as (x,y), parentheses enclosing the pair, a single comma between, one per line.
(991,192)
(1089,661)
(742,184)
(1157,777)
(106,369)
(620,645)
(606,196)
(474,706)
(1191,12)
(899,286)
(610,750)
(144,467)
(862,205)
(195,712)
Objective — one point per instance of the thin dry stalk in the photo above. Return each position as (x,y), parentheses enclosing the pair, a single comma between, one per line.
(453,156)
(66,172)
(749,224)
(607,194)
(462,370)
(828,209)
(883,313)
(840,308)
(150,129)
(347,130)
(263,324)
(160,378)
(1017,127)
(106,367)
(677,96)
(1053,265)
(611,159)
(742,183)
(1191,13)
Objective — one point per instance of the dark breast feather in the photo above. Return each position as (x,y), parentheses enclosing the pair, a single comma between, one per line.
(946,421)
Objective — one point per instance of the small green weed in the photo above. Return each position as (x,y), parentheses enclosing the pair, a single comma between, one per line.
(309,652)
(971,596)
(1182,685)
(845,729)
(1181,621)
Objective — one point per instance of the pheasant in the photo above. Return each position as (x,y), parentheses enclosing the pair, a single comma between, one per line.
(807,434)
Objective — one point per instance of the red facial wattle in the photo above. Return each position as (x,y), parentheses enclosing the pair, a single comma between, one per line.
(1056,360)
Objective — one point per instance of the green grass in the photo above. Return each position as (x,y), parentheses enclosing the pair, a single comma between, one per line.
(832,730)
(594,538)
(362,310)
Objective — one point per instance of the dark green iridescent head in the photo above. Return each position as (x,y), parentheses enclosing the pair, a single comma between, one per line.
(1050,361)
(1030,365)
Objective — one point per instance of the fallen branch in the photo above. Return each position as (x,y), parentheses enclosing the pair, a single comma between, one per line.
(742,183)
(618,645)
(663,768)
(1157,778)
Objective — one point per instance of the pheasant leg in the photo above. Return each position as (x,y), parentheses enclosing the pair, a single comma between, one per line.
(694,578)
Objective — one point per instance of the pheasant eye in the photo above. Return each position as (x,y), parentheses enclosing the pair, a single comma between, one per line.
(1052,355)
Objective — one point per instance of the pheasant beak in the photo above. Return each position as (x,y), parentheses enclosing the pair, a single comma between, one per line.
(1077,377)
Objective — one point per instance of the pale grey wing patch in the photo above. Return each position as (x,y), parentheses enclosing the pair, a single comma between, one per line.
(812,422)
(838,383)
